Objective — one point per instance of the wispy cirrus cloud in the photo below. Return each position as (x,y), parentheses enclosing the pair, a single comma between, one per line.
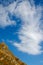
(30,33)
(4,18)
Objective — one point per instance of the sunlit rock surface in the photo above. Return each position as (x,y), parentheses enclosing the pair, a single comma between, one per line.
(7,58)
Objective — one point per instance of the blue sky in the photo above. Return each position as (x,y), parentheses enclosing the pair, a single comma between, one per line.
(21,28)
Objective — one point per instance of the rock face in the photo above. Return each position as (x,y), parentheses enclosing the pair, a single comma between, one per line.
(7,58)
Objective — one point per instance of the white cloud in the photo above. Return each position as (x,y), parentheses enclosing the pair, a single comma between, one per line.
(30,33)
(4,19)
(11,8)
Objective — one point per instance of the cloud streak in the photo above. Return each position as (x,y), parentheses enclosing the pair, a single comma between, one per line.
(30,33)
(4,18)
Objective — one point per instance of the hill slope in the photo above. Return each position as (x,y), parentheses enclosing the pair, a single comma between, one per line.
(7,58)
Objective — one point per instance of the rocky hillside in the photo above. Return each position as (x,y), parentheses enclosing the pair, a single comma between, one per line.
(7,58)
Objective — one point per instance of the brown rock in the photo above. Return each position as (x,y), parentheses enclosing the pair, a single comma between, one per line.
(7,58)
